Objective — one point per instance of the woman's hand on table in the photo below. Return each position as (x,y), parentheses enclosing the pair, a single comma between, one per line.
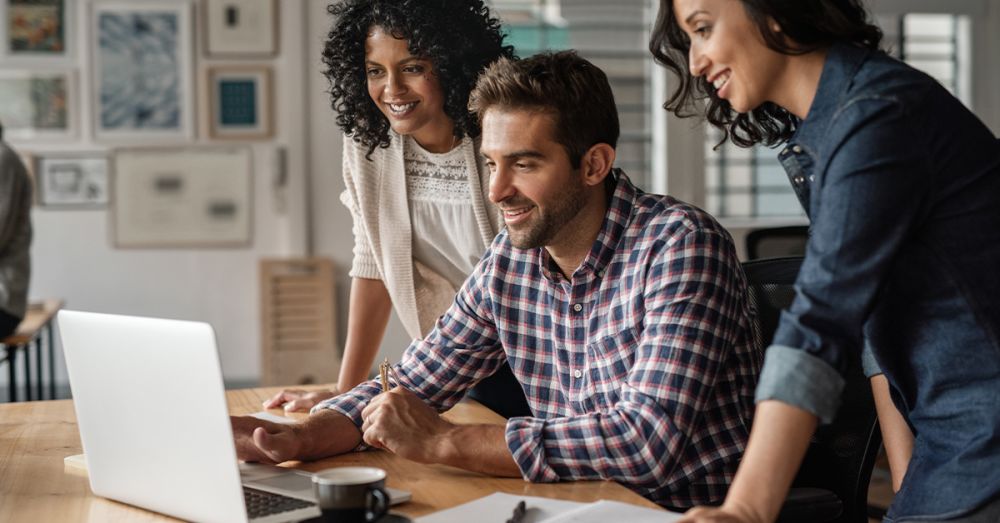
(728,513)
(298,400)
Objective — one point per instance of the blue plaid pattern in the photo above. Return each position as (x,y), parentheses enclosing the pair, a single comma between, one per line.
(639,369)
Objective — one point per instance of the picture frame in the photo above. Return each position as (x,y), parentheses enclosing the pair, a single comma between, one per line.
(174,197)
(38,105)
(75,180)
(142,71)
(241,28)
(239,102)
(37,32)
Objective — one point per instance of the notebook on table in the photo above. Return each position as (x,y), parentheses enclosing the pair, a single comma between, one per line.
(151,409)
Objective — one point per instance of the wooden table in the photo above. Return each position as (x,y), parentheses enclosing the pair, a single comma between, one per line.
(36,323)
(35,486)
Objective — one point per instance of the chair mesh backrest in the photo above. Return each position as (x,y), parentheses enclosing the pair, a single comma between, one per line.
(842,454)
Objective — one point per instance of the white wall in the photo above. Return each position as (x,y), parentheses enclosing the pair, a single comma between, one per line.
(73,259)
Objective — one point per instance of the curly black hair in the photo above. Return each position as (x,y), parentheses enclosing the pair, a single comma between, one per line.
(460,37)
(809,24)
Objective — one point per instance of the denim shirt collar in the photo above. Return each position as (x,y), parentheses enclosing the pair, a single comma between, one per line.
(842,63)
(799,157)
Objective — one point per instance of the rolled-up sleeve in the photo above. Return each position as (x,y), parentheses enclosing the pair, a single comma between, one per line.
(461,350)
(796,377)
(869,199)
(694,316)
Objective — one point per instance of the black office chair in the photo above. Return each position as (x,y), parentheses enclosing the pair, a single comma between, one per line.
(502,393)
(832,483)
(777,242)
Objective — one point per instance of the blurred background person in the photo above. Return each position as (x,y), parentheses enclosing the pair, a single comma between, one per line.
(15,238)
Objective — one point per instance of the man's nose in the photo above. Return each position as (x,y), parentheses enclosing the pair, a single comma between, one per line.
(500,186)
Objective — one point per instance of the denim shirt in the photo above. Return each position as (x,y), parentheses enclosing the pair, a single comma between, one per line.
(902,186)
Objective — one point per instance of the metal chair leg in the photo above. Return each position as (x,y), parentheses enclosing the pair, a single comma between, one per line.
(52,360)
(38,368)
(27,371)
(12,381)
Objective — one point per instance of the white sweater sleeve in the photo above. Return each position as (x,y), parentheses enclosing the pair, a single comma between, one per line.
(364,265)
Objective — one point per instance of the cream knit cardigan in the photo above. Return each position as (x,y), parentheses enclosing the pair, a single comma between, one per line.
(376,197)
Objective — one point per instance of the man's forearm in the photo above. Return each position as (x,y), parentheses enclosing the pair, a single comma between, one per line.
(326,433)
(479,448)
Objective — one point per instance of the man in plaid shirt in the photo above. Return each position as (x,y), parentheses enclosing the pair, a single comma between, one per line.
(624,316)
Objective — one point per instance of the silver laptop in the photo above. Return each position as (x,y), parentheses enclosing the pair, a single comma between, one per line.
(151,409)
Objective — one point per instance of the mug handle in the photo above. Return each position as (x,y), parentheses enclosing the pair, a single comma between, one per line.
(378,504)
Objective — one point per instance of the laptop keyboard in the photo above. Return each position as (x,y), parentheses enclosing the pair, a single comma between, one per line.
(260,504)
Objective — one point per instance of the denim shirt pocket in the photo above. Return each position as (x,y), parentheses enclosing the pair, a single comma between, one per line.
(609,360)
(798,167)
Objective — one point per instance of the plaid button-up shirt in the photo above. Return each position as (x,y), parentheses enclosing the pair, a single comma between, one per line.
(640,368)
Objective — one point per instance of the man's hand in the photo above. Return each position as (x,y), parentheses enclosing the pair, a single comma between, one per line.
(264,441)
(298,400)
(402,423)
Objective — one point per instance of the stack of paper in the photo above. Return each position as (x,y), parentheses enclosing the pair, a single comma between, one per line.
(498,507)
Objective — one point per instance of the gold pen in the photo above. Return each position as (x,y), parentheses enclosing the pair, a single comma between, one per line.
(383,374)
(384,371)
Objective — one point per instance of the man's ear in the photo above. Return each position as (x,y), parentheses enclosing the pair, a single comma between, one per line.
(596,163)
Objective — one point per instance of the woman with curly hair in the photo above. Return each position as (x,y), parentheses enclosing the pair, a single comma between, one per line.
(901,184)
(400,74)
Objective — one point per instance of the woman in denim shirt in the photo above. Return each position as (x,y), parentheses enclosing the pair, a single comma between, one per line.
(902,186)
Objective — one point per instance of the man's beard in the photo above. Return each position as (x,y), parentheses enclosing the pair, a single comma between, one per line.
(550,223)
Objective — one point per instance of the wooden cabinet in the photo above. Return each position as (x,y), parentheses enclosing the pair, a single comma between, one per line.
(298,322)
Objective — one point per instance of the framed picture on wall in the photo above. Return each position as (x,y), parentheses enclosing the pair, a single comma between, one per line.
(241,27)
(142,62)
(239,103)
(36,29)
(37,104)
(182,197)
(72,180)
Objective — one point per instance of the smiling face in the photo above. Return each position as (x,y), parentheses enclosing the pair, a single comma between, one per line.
(532,181)
(729,51)
(407,91)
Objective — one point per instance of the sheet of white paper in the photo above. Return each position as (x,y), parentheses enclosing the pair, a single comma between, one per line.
(267,416)
(603,511)
(498,507)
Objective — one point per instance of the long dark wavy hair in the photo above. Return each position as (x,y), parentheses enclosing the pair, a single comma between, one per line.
(806,25)
(460,37)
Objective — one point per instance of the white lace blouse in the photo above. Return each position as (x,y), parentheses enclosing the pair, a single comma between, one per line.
(442,217)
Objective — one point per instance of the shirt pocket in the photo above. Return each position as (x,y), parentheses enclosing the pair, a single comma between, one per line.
(609,360)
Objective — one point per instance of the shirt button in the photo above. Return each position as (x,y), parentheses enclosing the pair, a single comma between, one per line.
(784,152)
(578,374)
(812,177)
(600,273)
(577,307)
(797,149)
